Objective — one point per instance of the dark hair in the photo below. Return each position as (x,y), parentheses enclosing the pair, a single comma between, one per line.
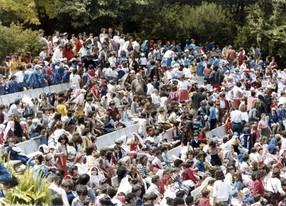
(111,191)
(219,175)
(178,201)
(89,150)
(189,200)
(63,136)
(180,193)
(129,197)
(81,190)
(40,158)
(56,199)
(83,179)
(136,188)
(155,178)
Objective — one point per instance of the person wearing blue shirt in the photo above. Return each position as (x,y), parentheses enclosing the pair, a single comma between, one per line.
(66,76)
(6,179)
(200,164)
(273,121)
(137,191)
(201,64)
(5,176)
(213,116)
(281,113)
(12,86)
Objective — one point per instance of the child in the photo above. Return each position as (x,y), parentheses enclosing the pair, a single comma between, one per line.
(204,200)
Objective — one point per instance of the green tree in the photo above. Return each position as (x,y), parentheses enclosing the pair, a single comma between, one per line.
(71,15)
(17,39)
(266,27)
(20,11)
(205,21)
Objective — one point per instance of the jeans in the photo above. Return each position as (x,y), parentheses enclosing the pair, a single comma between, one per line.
(237,127)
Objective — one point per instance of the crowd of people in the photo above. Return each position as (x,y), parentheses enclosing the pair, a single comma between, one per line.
(116,81)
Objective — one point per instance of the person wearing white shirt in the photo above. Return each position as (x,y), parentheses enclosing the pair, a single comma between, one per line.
(58,54)
(150,88)
(237,94)
(221,189)
(110,73)
(55,186)
(187,73)
(236,119)
(153,188)
(136,46)
(112,60)
(183,86)
(75,80)
(273,184)
(156,98)
(168,56)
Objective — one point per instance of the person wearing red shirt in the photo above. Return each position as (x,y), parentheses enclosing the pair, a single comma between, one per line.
(258,188)
(68,52)
(207,71)
(164,181)
(204,200)
(189,173)
(113,112)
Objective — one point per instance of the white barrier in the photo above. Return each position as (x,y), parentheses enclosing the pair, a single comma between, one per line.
(175,152)
(32,145)
(219,132)
(11,98)
(110,138)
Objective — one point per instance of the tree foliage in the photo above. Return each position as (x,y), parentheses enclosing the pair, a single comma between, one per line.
(207,21)
(265,27)
(21,11)
(80,14)
(242,22)
(17,39)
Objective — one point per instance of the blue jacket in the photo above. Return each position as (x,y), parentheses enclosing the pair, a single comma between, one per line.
(66,77)
(200,68)
(281,113)
(5,176)
(273,118)
(12,87)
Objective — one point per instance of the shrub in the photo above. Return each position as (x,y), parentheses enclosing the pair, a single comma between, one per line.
(17,39)
(31,190)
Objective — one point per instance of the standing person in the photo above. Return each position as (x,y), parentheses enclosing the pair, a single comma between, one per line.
(75,79)
(213,116)
(251,100)
(224,106)
(236,120)
(216,78)
(221,190)
(237,94)
(183,87)
(263,127)
(213,152)
(231,55)
(61,153)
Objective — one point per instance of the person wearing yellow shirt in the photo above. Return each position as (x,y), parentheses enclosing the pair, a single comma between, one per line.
(61,108)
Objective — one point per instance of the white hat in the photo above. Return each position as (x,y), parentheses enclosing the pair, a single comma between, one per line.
(246,191)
